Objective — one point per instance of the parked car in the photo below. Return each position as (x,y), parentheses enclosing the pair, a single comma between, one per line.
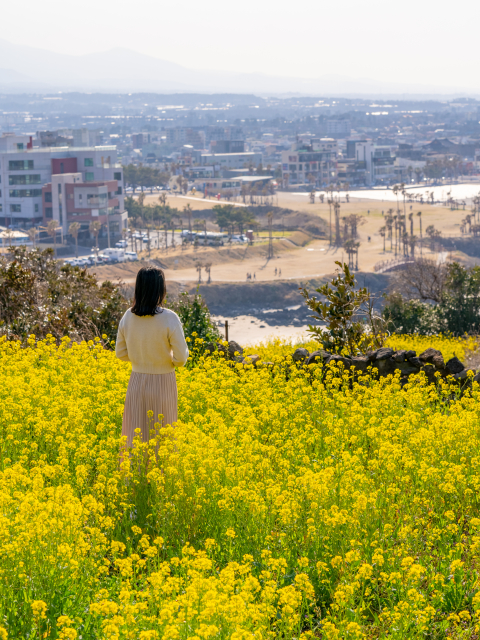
(131,256)
(121,244)
(115,254)
(238,239)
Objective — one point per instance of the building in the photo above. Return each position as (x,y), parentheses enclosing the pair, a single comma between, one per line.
(378,161)
(140,139)
(68,199)
(314,162)
(227,146)
(339,128)
(178,136)
(232,160)
(24,171)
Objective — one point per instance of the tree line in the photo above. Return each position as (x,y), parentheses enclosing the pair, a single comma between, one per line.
(144,176)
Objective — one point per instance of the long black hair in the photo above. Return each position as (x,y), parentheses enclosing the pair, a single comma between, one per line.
(150,291)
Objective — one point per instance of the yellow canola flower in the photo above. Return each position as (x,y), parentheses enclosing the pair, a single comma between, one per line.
(283,503)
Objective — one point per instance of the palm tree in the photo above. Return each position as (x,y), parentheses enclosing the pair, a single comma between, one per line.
(188,211)
(208,267)
(395,190)
(94,227)
(32,234)
(141,200)
(338,240)
(198,268)
(52,227)
(330,202)
(73,230)
(412,241)
(383,233)
(419,214)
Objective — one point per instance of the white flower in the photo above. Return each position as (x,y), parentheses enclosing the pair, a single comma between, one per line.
(331,339)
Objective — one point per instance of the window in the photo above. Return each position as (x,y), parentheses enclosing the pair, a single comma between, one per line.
(32,178)
(88,162)
(95,200)
(59,188)
(48,196)
(117,175)
(15,208)
(36,208)
(20,165)
(119,191)
(1,207)
(80,197)
(25,193)
(48,212)
(19,146)
(62,170)
(89,176)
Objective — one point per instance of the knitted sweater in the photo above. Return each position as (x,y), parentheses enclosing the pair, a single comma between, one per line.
(153,344)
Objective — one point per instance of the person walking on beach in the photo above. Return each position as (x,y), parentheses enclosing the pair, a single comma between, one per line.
(152,339)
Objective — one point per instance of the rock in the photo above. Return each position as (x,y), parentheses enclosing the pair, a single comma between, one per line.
(210,346)
(454,366)
(461,375)
(415,362)
(299,355)
(361,363)
(410,354)
(252,359)
(336,359)
(400,356)
(429,371)
(439,362)
(385,366)
(476,377)
(371,355)
(406,368)
(429,354)
(233,347)
(384,353)
(317,356)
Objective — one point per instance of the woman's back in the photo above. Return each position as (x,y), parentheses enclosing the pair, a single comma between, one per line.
(153,344)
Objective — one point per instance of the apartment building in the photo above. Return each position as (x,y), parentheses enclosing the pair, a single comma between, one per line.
(314,162)
(340,128)
(67,198)
(378,161)
(25,171)
(238,160)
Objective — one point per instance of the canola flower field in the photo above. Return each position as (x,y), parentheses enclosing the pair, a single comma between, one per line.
(282,505)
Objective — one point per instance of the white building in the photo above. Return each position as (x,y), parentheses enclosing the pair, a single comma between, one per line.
(24,171)
(239,160)
(314,162)
(378,161)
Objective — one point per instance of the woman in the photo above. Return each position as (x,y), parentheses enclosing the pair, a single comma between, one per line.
(152,339)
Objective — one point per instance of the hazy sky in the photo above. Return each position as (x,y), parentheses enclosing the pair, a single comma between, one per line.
(432,43)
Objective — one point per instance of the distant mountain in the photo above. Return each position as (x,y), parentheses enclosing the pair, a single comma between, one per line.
(123,70)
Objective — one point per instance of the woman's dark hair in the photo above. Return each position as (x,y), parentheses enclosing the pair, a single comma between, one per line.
(150,291)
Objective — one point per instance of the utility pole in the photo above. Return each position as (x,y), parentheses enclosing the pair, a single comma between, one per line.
(270,240)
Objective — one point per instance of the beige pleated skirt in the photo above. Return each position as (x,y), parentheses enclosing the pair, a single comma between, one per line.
(149,392)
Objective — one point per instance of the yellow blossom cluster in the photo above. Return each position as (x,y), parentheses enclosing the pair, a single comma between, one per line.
(285,503)
(277,348)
